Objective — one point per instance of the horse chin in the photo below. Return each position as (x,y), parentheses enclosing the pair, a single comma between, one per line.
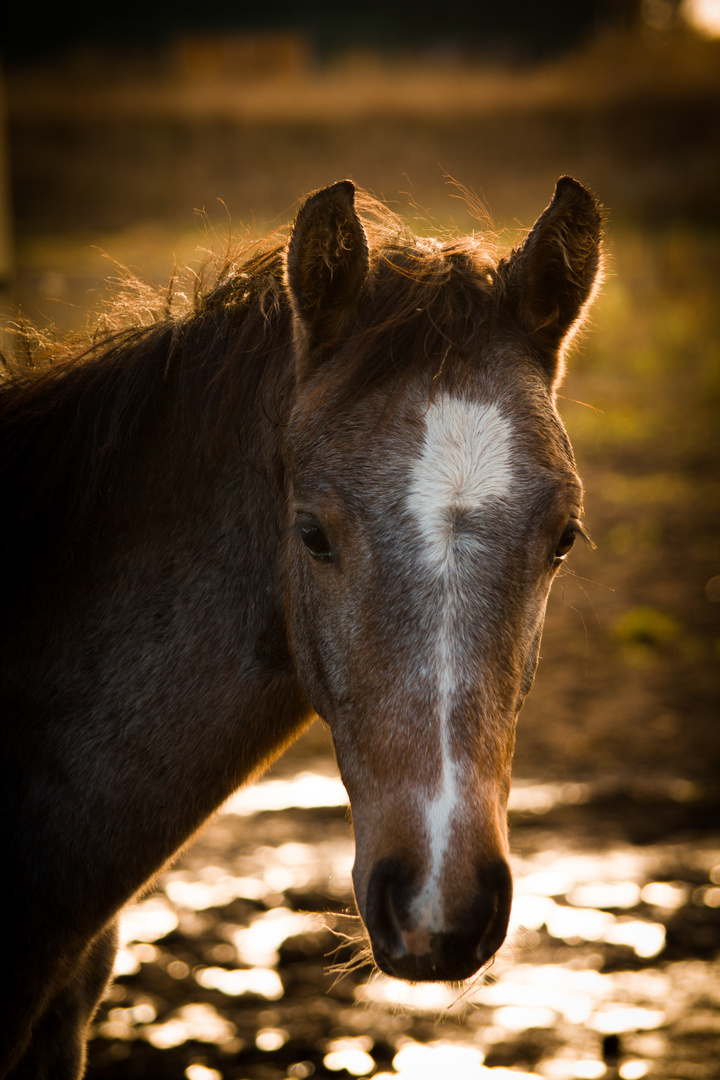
(432,966)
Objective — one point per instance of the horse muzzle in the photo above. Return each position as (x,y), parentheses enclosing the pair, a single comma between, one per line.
(408,947)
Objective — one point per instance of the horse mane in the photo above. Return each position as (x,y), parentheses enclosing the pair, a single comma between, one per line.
(72,411)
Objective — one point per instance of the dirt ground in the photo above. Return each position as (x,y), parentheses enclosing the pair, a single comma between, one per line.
(618,754)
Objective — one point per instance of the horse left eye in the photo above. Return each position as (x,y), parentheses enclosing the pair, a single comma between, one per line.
(564,544)
(316,542)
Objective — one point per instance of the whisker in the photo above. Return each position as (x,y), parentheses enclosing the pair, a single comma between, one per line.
(350,931)
(569,572)
(578,612)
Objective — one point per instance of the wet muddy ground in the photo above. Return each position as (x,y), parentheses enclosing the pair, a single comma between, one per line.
(611,969)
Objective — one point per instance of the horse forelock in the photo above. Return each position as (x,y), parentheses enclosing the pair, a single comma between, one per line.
(423,316)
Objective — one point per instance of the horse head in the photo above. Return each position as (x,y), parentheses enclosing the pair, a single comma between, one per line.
(433,496)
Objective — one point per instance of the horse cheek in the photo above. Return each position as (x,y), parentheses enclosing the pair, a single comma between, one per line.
(311,645)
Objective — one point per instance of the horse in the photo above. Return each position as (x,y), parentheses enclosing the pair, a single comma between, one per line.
(337,484)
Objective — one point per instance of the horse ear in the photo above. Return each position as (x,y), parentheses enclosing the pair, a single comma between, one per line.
(327,264)
(552,278)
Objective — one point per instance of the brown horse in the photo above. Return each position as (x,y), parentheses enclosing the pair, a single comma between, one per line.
(338,485)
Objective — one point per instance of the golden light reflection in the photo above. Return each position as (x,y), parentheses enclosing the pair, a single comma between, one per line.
(270,1039)
(126,963)
(432,1060)
(267,874)
(184,889)
(553,872)
(326,864)
(144,922)
(258,944)
(147,921)
(522,1018)
(570,994)
(234,982)
(575,925)
(710,897)
(590,883)
(540,996)
(202,1072)
(634,1070)
(195,1021)
(350,1054)
(646,939)
(615,1019)
(305,791)
(121,1022)
(530,912)
(572,1068)
(664,894)
(703,16)
(534,798)
(606,894)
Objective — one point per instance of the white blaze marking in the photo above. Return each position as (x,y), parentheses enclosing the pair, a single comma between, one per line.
(466,460)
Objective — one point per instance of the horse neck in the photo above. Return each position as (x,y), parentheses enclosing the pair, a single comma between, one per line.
(145,649)
(172,576)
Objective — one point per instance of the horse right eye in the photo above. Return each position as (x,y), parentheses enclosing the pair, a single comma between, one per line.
(565,543)
(316,542)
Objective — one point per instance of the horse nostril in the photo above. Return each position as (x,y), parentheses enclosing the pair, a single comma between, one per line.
(408,949)
(495,893)
(388,892)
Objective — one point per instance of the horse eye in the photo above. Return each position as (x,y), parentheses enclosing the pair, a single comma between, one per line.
(564,544)
(316,542)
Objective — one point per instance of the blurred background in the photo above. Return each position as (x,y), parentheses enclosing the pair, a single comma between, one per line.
(145,134)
